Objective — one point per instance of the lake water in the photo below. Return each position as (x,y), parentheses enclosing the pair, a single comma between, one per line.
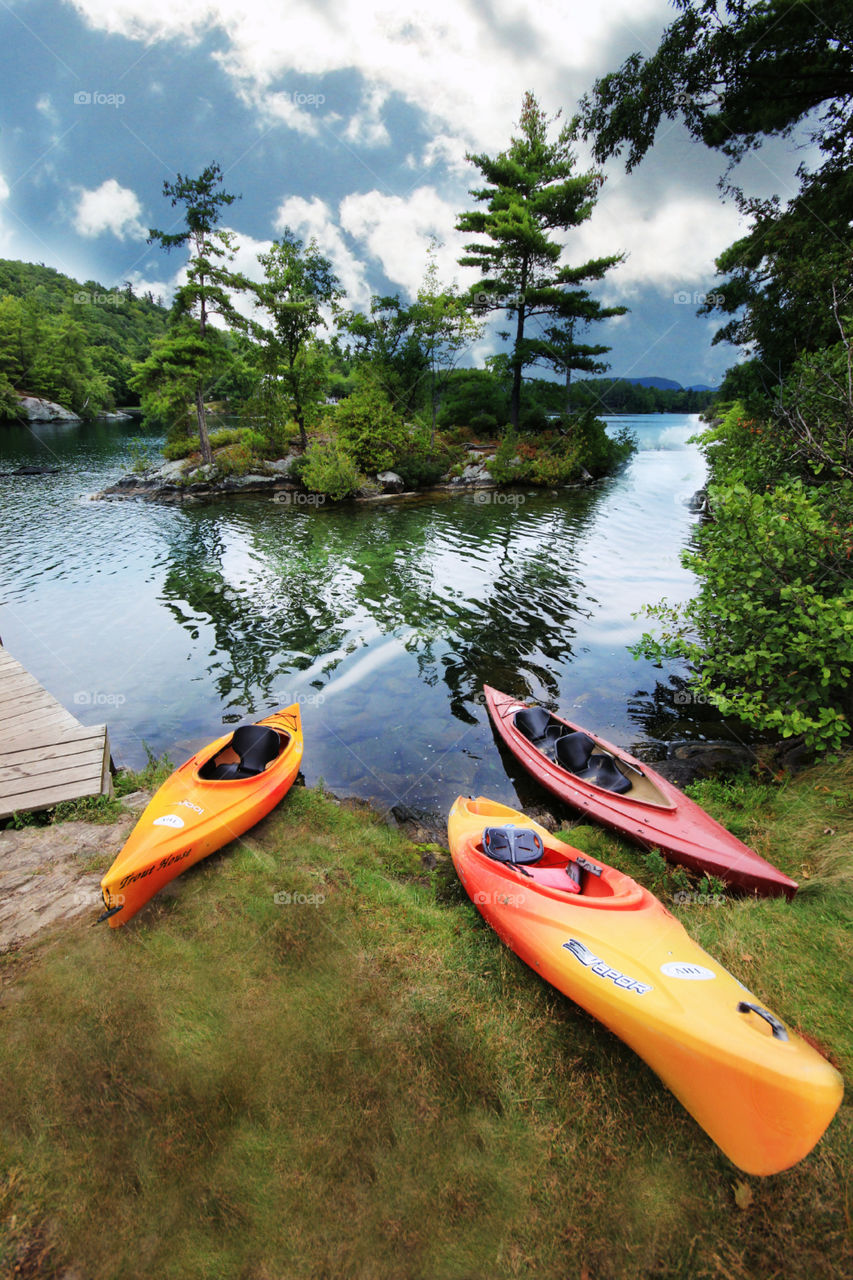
(382,620)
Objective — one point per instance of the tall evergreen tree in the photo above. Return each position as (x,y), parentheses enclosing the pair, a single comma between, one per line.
(210,282)
(531,192)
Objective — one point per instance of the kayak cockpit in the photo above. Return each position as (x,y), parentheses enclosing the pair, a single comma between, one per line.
(551,869)
(250,750)
(579,754)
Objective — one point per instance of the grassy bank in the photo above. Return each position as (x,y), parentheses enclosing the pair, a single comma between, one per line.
(357,1080)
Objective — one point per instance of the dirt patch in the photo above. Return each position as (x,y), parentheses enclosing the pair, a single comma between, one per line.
(50,874)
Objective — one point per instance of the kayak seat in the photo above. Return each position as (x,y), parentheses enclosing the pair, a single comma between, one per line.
(574,752)
(532,722)
(604,772)
(516,845)
(540,728)
(256,745)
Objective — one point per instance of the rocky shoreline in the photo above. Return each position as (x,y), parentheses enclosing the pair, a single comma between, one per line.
(185,481)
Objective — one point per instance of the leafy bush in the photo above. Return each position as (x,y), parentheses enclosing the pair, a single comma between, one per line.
(327,467)
(771,629)
(181,447)
(423,464)
(234,459)
(369,429)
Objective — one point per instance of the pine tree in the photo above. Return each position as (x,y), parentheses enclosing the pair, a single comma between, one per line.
(531,192)
(210,283)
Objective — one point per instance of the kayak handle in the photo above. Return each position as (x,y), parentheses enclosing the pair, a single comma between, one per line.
(105,915)
(779,1032)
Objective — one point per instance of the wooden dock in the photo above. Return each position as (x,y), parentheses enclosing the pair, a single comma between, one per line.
(46,755)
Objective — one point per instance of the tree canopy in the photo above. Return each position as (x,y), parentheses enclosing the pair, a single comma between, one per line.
(531,192)
(737,72)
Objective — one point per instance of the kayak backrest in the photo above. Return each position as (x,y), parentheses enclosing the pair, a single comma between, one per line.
(532,722)
(513,844)
(574,750)
(256,745)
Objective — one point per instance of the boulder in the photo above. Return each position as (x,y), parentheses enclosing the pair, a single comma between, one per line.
(391,482)
(691,760)
(38,410)
(281,466)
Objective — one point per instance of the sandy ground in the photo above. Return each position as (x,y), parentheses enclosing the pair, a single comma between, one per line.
(51,874)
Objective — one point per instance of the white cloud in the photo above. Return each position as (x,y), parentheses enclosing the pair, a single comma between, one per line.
(4,188)
(110,207)
(671,242)
(44,105)
(396,230)
(461,63)
(366,127)
(314,219)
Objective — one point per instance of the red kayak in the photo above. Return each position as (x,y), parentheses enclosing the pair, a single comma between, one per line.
(621,792)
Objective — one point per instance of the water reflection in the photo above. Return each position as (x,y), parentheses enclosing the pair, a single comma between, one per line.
(384,621)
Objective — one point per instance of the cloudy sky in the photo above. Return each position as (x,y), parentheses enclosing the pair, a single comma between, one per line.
(347,121)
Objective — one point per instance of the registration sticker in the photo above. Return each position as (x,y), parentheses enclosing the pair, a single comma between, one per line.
(689,972)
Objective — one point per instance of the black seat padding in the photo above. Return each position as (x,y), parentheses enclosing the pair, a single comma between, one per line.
(574,752)
(540,728)
(532,722)
(513,844)
(255,744)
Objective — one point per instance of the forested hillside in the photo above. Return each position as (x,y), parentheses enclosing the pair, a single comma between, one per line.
(70,342)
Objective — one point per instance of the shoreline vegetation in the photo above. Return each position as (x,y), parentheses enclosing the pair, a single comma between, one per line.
(458,1090)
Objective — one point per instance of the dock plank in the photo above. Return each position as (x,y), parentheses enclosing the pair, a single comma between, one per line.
(46,754)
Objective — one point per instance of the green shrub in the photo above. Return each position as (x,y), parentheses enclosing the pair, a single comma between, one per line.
(180,447)
(327,467)
(771,628)
(235,459)
(369,429)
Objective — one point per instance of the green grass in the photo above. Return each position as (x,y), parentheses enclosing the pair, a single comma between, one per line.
(371,1086)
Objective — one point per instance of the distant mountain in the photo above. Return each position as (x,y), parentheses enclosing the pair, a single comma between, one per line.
(701,386)
(662,384)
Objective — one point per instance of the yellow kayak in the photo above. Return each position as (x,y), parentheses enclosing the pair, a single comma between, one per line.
(758,1089)
(216,795)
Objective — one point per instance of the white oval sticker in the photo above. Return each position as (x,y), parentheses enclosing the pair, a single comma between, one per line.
(689,972)
(169,820)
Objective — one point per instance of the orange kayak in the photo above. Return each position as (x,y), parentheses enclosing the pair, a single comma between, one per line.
(222,791)
(758,1089)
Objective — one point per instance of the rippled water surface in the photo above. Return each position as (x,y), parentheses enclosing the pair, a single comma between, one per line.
(383,620)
